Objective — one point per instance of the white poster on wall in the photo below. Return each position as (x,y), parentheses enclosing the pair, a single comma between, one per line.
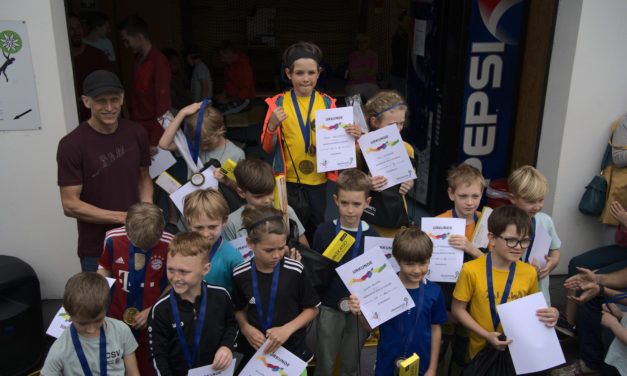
(19,109)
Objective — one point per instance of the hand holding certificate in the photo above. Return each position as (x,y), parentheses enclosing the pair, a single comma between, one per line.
(446,262)
(385,154)
(335,148)
(279,363)
(381,293)
(207,181)
(209,371)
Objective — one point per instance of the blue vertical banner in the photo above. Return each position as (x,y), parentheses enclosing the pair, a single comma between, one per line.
(491,69)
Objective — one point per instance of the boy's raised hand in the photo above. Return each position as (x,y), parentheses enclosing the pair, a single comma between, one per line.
(141,319)
(277,337)
(353,305)
(493,339)
(548,316)
(190,109)
(254,336)
(276,117)
(222,359)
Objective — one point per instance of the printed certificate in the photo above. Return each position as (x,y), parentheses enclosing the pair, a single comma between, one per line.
(178,197)
(384,245)
(280,363)
(385,154)
(381,293)
(446,262)
(209,371)
(335,149)
(242,247)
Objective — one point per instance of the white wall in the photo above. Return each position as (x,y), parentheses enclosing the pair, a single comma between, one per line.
(586,92)
(32,225)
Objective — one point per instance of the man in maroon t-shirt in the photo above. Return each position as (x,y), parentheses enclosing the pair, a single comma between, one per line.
(102,166)
(151,78)
(86,60)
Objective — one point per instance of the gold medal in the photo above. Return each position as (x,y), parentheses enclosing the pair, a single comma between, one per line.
(306,167)
(129,316)
(343,305)
(140,260)
(197,179)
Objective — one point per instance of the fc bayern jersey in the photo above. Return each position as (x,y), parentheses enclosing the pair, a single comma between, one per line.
(116,257)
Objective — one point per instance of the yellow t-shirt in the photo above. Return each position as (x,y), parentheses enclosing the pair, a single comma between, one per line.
(472,287)
(470,227)
(296,143)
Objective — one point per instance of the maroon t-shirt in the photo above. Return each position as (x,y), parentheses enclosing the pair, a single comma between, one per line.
(107,166)
(90,60)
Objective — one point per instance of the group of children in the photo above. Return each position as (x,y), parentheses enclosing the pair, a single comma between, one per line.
(187,298)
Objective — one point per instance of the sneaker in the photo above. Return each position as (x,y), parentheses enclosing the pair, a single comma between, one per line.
(564,327)
(576,369)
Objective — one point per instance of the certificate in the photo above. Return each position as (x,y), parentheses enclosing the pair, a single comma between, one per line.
(535,347)
(381,293)
(160,162)
(335,149)
(480,236)
(384,245)
(178,197)
(541,245)
(279,363)
(446,261)
(209,371)
(242,247)
(385,154)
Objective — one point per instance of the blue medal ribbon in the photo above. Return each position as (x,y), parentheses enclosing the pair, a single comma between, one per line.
(409,337)
(355,246)
(266,323)
(533,219)
(136,278)
(199,324)
(195,147)
(215,248)
(616,298)
(81,354)
(508,285)
(474,214)
(304,127)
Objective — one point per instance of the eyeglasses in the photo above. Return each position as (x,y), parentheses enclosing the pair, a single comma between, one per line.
(513,242)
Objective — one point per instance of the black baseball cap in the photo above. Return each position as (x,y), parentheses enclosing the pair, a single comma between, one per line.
(101,81)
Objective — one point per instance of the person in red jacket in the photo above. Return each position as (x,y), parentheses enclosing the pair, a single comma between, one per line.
(239,84)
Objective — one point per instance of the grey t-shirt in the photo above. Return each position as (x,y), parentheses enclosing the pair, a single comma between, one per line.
(229,151)
(200,71)
(235,229)
(617,353)
(62,358)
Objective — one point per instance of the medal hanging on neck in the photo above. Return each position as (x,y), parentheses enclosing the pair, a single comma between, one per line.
(136,276)
(409,337)
(197,179)
(189,356)
(81,354)
(266,322)
(305,166)
(508,286)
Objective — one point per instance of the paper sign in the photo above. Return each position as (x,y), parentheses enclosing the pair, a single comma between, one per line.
(279,363)
(242,247)
(280,194)
(480,236)
(167,182)
(339,246)
(227,168)
(384,245)
(381,293)
(178,197)
(209,371)
(385,154)
(335,149)
(541,245)
(160,162)
(446,261)
(535,347)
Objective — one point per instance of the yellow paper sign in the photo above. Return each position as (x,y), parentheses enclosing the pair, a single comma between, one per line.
(227,168)
(339,246)
(410,366)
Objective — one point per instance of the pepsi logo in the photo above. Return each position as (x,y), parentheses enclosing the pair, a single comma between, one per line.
(501,18)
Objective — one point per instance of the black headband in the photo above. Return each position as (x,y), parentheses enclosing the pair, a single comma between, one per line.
(263,220)
(300,53)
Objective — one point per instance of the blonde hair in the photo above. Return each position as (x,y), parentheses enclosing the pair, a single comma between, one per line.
(189,243)
(528,183)
(309,47)
(464,174)
(412,245)
(261,221)
(353,179)
(380,102)
(86,294)
(144,225)
(205,201)
(212,124)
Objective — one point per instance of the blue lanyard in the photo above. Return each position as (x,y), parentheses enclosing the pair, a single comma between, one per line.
(267,322)
(475,215)
(409,337)
(355,247)
(81,354)
(135,278)
(304,127)
(195,147)
(533,219)
(215,247)
(616,298)
(508,285)
(199,323)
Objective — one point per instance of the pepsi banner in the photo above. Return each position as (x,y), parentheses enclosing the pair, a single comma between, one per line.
(491,69)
